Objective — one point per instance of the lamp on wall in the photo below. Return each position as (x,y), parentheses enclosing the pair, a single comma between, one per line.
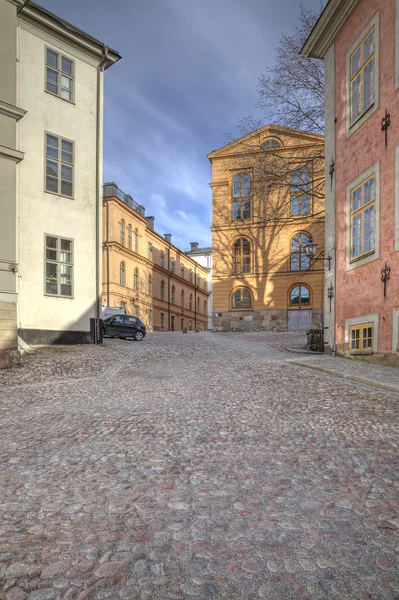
(311,251)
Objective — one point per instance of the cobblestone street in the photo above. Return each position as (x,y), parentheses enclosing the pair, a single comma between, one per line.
(195,466)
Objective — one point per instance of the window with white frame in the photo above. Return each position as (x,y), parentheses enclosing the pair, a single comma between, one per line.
(59,165)
(58,266)
(60,72)
(363,218)
(362,63)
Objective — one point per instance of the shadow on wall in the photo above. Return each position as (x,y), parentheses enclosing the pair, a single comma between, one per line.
(80,331)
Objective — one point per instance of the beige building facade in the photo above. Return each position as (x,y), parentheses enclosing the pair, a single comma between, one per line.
(51,129)
(267,205)
(144,273)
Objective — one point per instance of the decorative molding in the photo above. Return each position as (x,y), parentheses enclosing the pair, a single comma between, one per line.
(330,22)
(214,184)
(16,155)
(9,110)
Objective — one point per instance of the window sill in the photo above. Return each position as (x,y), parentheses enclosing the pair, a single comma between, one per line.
(59,296)
(60,97)
(353,261)
(360,353)
(59,195)
(243,308)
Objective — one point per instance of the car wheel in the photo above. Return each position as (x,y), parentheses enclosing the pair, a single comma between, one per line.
(138,336)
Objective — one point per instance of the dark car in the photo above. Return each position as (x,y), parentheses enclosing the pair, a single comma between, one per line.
(124,326)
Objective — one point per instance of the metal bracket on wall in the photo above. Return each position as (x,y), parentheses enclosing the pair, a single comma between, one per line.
(385,123)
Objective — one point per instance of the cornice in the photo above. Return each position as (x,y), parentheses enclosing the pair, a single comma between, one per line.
(9,110)
(214,184)
(12,154)
(326,29)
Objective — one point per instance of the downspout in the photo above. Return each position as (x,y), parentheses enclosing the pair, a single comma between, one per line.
(169,289)
(195,297)
(25,2)
(100,70)
(106,245)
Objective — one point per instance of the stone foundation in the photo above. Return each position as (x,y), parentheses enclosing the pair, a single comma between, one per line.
(48,337)
(379,358)
(258,320)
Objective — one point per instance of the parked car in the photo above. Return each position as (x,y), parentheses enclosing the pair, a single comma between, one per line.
(124,326)
(109,311)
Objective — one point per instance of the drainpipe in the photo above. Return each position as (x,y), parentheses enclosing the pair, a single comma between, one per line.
(25,2)
(100,70)
(195,297)
(169,289)
(106,245)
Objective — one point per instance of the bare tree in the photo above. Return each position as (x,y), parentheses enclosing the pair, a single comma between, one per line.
(291,92)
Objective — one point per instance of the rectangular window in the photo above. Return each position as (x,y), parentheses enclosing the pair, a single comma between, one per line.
(59,75)
(59,165)
(172,265)
(362,66)
(162,259)
(241,210)
(149,317)
(182,271)
(58,266)
(149,251)
(162,321)
(361,338)
(363,218)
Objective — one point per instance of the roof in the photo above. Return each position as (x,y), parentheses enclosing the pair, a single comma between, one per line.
(327,27)
(272,130)
(207,250)
(26,8)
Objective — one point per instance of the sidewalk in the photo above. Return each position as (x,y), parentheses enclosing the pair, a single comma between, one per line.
(386,378)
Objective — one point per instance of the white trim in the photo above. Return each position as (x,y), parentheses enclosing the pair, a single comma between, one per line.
(350,129)
(375,169)
(12,111)
(372,318)
(395,331)
(397,196)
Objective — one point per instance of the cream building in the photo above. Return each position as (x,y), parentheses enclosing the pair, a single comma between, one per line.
(144,273)
(51,131)
(204,257)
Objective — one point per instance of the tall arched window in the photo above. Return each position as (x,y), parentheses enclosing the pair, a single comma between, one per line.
(299,260)
(122,232)
(182,299)
(122,273)
(173,294)
(300,296)
(136,280)
(300,191)
(162,290)
(242,256)
(149,285)
(190,302)
(241,192)
(241,298)
(136,240)
(129,236)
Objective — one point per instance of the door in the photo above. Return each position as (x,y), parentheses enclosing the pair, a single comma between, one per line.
(129,326)
(172,323)
(299,320)
(114,326)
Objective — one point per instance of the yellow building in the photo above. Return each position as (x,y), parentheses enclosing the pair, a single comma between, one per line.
(268,204)
(145,274)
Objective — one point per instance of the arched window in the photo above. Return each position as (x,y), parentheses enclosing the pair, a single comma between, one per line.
(299,260)
(162,290)
(271,144)
(122,232)
(172,265)
(204,307)
(242,256)
(129,236)
(182,299)
(173,294)
(300,296)
(149,285)
(300,191)
(136,240)
(122,273)
(136,280)
(190,302)
(241,298)
(241,202)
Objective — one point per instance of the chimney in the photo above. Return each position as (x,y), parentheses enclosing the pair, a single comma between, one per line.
(150,222)
(168,237)
(194,246)
(141,210)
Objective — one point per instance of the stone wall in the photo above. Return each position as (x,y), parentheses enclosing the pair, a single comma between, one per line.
(258,320)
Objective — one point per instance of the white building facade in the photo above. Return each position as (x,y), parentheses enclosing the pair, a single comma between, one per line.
(203,256)
(55,207)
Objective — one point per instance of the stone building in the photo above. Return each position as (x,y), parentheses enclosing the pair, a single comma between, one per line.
(144,273)
(359,42)
(268,204)
(51,129)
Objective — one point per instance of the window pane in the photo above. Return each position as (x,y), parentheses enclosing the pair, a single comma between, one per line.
(66,173)
(66,88)
(51,254)
(66,189)
(51,168)
(356,199)
(51,242)
(305,295)
(295,296)
(51,185)
(294,262)
(356,108)
(52,146)
(355,62)
(66,66)
(236,211)
(305,205)
(51,278)
(52,58)
(246,185)
(237,186)
(52,81)
(246,210)
(67,152)
(246,298)
(295,206)
(368,98)
(368,46)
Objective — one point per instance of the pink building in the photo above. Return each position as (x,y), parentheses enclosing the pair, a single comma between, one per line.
(359,42)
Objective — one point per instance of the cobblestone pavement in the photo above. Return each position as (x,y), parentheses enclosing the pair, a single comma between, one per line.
(203,467)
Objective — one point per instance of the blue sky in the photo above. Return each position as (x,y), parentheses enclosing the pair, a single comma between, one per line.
(188,74)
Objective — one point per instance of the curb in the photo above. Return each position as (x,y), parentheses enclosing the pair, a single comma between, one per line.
(304,351)
(370,382)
